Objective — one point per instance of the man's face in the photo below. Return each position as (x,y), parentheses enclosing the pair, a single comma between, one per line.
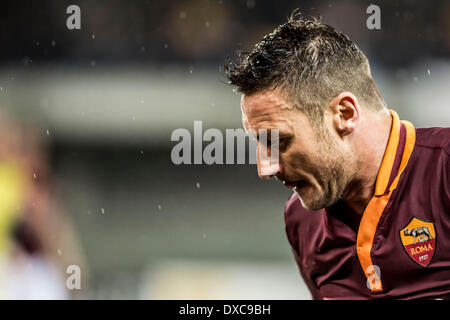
(310,163)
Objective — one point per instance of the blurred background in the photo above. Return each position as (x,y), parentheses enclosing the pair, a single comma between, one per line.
(86,118)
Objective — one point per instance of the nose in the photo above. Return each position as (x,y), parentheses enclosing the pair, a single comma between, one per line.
(268,167)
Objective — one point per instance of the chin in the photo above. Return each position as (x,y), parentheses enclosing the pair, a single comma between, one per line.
(312,203)
(309,204)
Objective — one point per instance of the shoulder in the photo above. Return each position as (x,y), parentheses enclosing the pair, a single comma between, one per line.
(296,217)
(427,174)
(291,204)
(434,138)
(293,208)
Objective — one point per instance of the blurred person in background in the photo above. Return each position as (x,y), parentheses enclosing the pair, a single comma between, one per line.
(37,242)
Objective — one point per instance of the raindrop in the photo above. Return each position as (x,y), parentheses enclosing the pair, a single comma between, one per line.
(93,64)
(207,24)
(198,185)
(48,132)
(142,151)
(204,236)
(429,72)
(183,15)
(165,45)
(159,207)
(53,43)
(59,252)
(34,175)
(415,79)
(93,36)
(103,211)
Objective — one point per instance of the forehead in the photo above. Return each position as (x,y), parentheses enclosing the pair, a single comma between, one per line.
(264,110)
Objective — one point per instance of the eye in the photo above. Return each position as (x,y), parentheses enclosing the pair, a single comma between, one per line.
(284,142)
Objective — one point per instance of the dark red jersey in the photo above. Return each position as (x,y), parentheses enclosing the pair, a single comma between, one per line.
(400,246)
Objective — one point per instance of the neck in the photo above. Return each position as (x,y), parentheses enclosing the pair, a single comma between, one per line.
(370,145)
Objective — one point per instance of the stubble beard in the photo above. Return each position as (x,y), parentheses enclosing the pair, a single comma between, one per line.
(334,175)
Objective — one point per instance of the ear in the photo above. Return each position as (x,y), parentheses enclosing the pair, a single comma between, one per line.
(345,112)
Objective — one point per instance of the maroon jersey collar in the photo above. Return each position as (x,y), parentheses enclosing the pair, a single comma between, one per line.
(399,148)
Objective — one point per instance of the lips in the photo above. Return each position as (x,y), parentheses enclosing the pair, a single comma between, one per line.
(295,184)
(288,184)
(292,184)
(301,184)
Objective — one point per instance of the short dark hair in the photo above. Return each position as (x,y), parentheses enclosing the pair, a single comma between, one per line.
(311,62)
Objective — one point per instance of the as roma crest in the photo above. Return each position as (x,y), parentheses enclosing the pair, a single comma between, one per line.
(419,240)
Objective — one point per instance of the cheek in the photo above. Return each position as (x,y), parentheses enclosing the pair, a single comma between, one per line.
(304,161)
(294,160)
